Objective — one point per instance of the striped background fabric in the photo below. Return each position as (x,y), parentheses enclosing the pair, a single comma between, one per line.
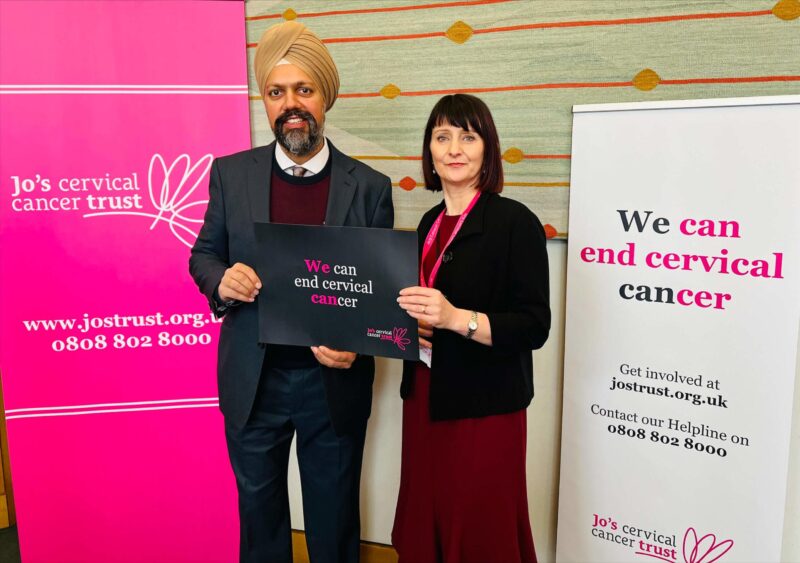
(530,61)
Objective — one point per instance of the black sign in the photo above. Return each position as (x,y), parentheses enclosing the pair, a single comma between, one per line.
(337,287)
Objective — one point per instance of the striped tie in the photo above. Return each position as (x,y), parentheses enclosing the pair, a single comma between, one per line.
(298,171)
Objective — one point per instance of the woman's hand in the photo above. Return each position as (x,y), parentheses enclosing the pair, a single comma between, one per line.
(425,333)
(428,306)
(433,310)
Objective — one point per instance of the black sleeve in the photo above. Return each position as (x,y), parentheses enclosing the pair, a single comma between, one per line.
(527,325)
(209,257)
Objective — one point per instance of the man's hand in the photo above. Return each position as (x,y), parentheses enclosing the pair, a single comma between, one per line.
(240,282)
(333,358)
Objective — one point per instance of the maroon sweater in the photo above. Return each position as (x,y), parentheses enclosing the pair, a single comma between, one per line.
(299,201)
(296,201)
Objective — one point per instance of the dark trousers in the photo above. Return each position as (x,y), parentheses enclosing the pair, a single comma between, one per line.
(290,401)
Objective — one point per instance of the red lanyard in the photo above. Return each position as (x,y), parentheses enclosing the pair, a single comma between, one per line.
(431,239)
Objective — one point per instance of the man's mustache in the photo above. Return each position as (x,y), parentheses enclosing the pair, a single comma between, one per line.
(291,114)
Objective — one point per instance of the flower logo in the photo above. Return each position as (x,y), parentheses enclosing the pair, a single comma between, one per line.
(170,189)
(705,549)
(399,337)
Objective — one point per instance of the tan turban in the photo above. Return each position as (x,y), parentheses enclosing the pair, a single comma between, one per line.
(294,42)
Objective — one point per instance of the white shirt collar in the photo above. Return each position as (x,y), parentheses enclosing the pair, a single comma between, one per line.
(313,166)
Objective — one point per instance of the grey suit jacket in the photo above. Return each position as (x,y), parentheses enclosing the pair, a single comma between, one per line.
(239,189)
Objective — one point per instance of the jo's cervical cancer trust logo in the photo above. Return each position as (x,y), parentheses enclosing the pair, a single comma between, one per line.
(171,188)
(397,336)
(703,550)
(654,544)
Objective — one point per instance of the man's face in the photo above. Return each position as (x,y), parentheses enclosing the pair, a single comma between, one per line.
(295,109)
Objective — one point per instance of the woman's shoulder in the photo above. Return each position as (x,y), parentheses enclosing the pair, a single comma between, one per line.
(510,209)
(431,214)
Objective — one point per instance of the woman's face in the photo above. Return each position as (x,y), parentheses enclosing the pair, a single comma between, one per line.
(457,155)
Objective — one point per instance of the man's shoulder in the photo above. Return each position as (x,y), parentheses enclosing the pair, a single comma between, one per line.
(362,171)
(369,173)
(244,157)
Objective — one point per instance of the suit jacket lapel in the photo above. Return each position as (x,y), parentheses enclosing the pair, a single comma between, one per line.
(259,176)
(473,225)
(342,188)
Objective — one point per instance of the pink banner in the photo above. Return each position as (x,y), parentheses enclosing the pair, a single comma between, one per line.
(111,114)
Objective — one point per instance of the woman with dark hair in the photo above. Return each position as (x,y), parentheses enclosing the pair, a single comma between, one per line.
(482,306)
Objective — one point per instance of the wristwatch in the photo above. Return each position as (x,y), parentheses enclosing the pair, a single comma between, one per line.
(472,326)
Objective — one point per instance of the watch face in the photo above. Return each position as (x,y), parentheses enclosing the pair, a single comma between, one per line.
(473,325)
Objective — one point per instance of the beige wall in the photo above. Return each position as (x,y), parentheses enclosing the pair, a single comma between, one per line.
(530,61)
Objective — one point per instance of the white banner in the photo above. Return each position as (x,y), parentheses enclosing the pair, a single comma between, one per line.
(683,302)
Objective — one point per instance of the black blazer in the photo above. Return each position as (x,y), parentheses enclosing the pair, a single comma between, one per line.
(496,264)
(239,197)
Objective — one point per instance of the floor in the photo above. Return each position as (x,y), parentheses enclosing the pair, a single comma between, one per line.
(9,545)
(9,549)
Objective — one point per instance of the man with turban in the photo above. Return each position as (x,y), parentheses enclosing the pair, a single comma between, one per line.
(269,392)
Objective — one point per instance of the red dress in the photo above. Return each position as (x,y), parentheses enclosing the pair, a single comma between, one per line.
(463,497)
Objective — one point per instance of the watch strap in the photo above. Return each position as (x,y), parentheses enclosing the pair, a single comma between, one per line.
(472,326)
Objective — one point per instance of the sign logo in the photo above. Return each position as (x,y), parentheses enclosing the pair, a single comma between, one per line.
(705,549)
(171,189)
(397,336)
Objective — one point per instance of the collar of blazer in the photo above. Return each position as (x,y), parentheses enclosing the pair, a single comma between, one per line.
(473,225)
(340,194)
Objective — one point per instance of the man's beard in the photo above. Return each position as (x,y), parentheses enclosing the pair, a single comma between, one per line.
(299,141)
